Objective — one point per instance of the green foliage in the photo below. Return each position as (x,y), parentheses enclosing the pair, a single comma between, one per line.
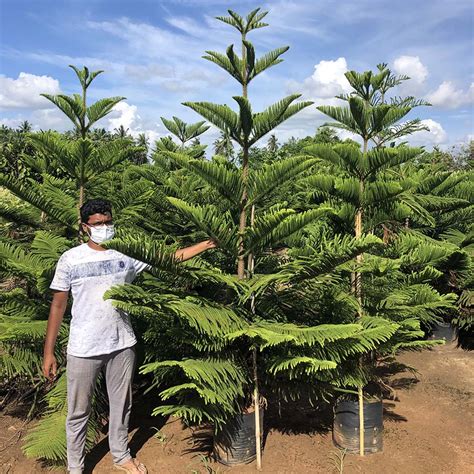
(294,293)
(48,439)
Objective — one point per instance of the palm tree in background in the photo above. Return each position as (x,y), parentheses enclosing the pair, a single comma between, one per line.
(223,146)
(272,144)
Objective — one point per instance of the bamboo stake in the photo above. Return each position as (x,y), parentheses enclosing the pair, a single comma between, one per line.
(358,293)
(256,395)
(361,423)
(256,404)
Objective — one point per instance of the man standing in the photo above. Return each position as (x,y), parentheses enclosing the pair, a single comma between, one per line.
(101,337)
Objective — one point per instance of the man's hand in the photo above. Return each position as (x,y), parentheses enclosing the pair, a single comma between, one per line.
(58,306)
(189,252)
(50,366)
(211,244)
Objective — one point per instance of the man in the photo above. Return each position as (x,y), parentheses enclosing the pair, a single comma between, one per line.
(101,336)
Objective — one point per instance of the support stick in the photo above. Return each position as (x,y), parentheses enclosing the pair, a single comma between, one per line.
(256,399)
(361,423)
(256,395)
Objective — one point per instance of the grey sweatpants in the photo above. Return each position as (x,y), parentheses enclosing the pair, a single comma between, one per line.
(82,375)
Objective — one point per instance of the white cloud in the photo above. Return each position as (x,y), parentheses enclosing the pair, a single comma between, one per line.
(45,119)
(127,115)
(25,91)
(327,80)
(411,66)
(188,26)
(40,119)
(149,41)
(124,114)
(446,95)
(11,122)
(436,135)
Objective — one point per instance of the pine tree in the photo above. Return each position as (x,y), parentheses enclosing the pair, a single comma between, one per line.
(367,187)
(221,328)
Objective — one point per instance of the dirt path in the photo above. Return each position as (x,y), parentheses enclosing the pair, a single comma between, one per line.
(429,430)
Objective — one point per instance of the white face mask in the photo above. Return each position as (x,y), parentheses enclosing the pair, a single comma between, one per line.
(102,234)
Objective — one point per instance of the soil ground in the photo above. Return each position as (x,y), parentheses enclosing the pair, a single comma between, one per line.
(429,429)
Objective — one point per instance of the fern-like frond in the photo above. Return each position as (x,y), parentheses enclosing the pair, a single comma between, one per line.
(211,221)
(225,181)
(270,177)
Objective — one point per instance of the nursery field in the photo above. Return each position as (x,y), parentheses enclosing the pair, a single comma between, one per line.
(257,275)
(430,429)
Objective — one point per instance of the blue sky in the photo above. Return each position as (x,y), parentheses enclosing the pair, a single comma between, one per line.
(151,53)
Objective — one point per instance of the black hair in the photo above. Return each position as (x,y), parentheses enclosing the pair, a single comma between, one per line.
(95,206)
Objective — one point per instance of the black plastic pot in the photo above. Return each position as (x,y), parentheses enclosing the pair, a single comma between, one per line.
(235,443)
(345,433)
(443,331)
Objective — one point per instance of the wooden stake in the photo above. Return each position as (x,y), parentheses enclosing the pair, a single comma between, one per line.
(361,423)
(256,404)
(256,395)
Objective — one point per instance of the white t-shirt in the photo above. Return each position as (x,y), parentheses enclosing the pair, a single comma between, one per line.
(96,326)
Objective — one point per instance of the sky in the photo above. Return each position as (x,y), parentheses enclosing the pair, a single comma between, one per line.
(151,52)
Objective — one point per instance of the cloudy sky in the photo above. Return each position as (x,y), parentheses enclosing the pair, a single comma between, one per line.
(151,53)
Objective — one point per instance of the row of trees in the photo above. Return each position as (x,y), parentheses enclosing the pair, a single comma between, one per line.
(332,256)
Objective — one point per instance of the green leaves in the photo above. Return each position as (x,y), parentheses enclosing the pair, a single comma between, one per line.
(276,114)
(211,221)
(147,250)
(211,391)
(364,119)
(268,60)
(245,71)
(100,109)
(184,131)
(302,365)
(72,107)
(34,195)
(275,226)
(75,107)
(84,75)
(245,118)
(247,128)
(252,21)
(306,268)
(221,116)
(264,181)
(82,159)
(47,440)
(225,181)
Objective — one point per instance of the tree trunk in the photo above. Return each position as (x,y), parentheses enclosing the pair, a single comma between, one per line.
(241,266)
(243,218)
(245,173)
(386,234)
(79,205)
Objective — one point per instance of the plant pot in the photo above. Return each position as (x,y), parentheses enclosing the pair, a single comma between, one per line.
(235,443)
(345,433)
(443,331)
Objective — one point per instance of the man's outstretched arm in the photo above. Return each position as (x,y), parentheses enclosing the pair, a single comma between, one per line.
(56,314)
(193,250)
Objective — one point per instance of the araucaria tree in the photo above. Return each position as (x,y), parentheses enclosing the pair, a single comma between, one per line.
(220,328)
(372,196)
(298,300)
